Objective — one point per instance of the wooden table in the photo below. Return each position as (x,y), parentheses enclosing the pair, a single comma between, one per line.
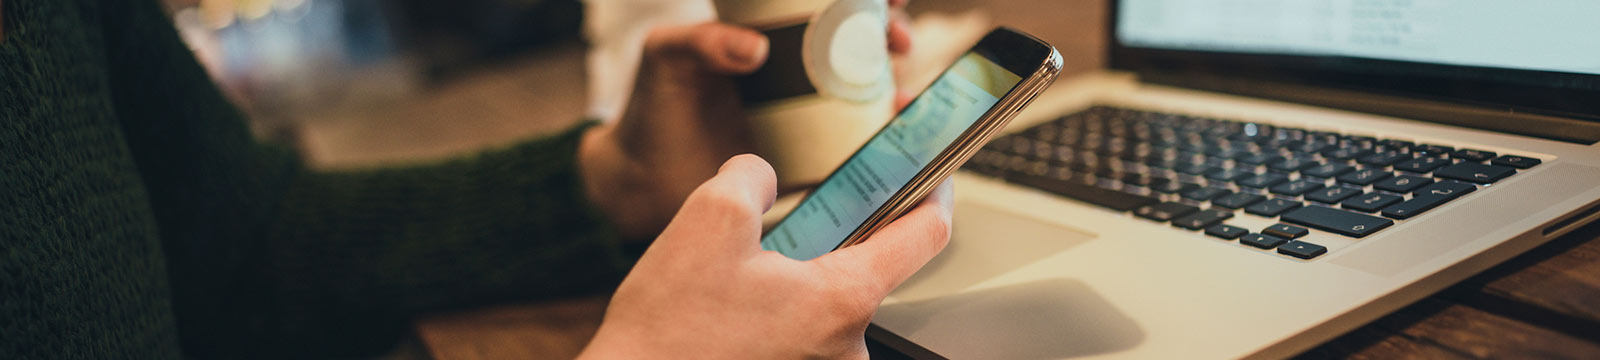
(1543,304)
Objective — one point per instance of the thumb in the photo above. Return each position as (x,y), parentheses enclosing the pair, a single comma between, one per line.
(894,253)
(719,47)
(729,205)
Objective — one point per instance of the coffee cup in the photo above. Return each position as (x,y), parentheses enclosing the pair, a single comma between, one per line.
(826,87)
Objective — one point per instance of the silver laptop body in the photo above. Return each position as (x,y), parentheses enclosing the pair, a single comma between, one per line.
(1039,270)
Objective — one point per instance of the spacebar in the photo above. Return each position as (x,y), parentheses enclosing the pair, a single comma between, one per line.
(1117,200)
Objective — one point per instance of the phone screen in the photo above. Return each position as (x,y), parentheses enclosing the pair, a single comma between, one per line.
(893,156)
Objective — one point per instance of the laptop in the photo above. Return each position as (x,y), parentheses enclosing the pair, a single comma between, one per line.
(1251,179)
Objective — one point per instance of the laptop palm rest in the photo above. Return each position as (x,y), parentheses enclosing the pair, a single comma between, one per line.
(1042,319)
(986,242)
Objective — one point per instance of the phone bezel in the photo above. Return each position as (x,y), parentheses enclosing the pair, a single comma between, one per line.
(1035,61)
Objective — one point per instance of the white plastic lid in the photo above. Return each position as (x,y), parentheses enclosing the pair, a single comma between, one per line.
(846,53)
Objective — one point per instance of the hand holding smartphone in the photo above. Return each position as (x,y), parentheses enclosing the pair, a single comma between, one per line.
(971,101)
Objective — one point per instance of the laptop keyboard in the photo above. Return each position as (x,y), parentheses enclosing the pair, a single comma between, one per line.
(1197,173)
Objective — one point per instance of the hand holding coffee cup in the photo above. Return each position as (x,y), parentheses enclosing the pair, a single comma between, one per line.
(827,85)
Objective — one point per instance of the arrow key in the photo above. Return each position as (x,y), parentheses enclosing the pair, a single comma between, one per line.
(1202,219)
(1227,232)
(1475,172)
(1165,211)
(1428,198)
(1301,249)
(1416,205)
(1262,241)
(1286,231)
(1448,189)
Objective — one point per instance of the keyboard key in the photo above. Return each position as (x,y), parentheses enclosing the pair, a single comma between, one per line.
(1165,211)
(1421,165)
(1163,163)
(1237,200)
(1228,175)
(1193,168)
(1328,170)
(1472,155)
(1310,147)
(1297,187)
(1415,206)
(1136,179)
(1262,241)
(1301,249)
(1113,199)
(1402,184)
(1371,202)
(1205,193)
(1365,141)
(1260,159)
(1427,198)
(1336,221)
(1291,164)
(1106,172)
(1515,161)
(1264,180)
(1430,149)
(1272,207)
(1286,231)
(1384,159)
(1365,176)
(1396,144)
(1447,188)
(1323,136)
(1333,195)
(1226,231)
(1202,219)
(1475,172)
(1345,153)
(1226,153)
(1174,187)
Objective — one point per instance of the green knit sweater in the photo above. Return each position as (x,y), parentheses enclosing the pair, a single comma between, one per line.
(139,219)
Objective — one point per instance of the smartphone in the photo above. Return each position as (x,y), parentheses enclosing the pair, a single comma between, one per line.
(971,101)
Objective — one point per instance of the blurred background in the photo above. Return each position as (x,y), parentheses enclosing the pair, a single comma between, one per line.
(355,83)
(362,82)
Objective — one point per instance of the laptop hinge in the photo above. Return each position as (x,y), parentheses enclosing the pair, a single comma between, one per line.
(1485,118)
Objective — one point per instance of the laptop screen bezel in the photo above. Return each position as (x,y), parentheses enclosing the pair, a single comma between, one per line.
(1496,88)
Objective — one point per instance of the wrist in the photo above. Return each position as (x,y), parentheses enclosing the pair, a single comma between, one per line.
(607,345)
(611,182)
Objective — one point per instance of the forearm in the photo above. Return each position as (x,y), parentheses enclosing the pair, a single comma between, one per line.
(622,186)
(378,246)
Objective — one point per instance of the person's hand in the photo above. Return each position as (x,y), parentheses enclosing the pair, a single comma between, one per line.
(682,121)
(706,290)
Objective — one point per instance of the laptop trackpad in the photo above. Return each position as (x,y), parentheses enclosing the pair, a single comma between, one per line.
(986,242)
(1043,319)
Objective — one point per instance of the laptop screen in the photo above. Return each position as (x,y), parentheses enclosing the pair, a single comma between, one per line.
(1546,35)
(1542,56)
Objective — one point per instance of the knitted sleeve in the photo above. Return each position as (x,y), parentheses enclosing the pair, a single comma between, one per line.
(269,259)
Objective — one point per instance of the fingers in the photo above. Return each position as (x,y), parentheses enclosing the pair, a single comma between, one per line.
(729,205)
(902,98)
(944,194)
(897,251)
(899,34)
(756,177)
(719,47)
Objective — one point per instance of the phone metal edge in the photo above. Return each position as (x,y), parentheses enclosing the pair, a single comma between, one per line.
(959,150)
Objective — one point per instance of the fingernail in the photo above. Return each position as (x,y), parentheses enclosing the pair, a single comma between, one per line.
(749,48)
